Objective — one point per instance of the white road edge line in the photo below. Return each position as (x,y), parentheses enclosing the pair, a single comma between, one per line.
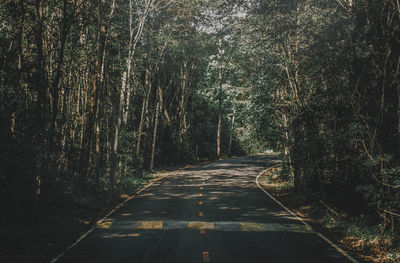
(57,258)
(344,253)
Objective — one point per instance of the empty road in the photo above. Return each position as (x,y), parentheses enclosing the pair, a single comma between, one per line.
(210,213)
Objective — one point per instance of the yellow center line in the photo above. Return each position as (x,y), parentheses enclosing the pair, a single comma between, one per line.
(206,256)
(105,225)
(198,225)
(201,225)
(150,225)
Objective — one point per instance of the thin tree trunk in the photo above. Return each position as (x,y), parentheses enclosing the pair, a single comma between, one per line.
(297,55)
(132,48)
(398,106)
(157,113)
(19,40)
(20,51)
(97,81)
(42,103)
(144,110)
(231,135)
(97,153)
(219,114)
(64,30)
(114,151)
(295,176)
(182,123)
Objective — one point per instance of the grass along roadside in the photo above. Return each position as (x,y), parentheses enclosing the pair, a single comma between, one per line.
(65,218)
(132,185)
(354,233)
(42,237)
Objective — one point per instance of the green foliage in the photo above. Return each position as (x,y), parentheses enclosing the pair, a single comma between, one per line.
(324,91)
(102,93)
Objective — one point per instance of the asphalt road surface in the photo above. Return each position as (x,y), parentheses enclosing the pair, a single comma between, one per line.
(210,213)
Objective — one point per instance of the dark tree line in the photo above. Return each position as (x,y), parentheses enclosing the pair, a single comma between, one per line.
(328,87)
(95,93)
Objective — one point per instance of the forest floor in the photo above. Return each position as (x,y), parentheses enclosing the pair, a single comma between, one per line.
(44,235)
(354,233)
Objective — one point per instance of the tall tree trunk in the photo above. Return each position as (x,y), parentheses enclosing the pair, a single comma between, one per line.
(20,53)
(64,31)
(115,147)
(20,50)
(398,105)
(295,176)
(97,81)
(132,48)
(182,117)
(219,113)
(231,135)
(96,172)
(157,113)
(43,103)
(144,110)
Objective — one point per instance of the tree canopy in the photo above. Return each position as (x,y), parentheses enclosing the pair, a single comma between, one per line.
(95,93)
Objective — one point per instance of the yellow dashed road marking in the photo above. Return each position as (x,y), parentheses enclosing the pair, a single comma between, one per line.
(201,225)
(105,225)
(219,226)
(150,225)
(206,256)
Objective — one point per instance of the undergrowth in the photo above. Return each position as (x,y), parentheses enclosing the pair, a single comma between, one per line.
(360,233)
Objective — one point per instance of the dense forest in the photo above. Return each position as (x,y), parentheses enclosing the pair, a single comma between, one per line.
(96,93)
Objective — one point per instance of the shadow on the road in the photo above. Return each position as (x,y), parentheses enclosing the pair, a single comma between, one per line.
(243,225)
(241,162)
(226,188)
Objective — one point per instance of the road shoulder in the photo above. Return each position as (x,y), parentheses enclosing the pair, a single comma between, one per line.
(325,219)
